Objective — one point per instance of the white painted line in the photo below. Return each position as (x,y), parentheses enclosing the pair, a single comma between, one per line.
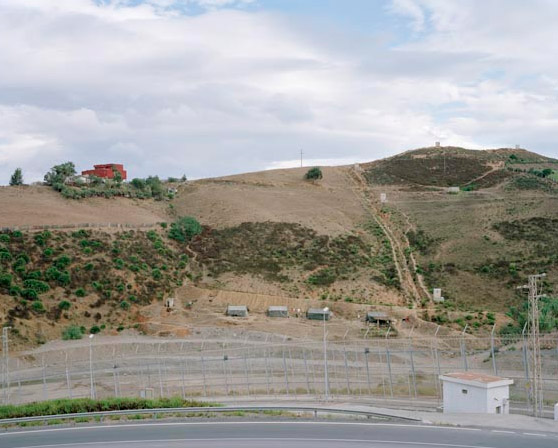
(503,432)
(263,439)
(534,434)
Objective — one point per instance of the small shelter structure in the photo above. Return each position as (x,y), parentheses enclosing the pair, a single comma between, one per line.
(237,311)
(437,295)
(469,392)
(453,190)
(278,311)
(318,314)
(378,318)
(169,303)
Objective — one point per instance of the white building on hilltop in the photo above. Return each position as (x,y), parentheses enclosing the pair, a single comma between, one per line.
(468,392)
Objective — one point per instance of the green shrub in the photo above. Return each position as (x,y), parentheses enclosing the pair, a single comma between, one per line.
(5,280)
(71,333)
(17,234)
(119,263)
(64,279)
(37,285)
(38,306)
(80,292)
(94,329)
(28,293)
(184,229)
(4,238)
(313,174)
(64,305)
(52,274)
(48,252)
(62,262)
(124,305)
(156,274)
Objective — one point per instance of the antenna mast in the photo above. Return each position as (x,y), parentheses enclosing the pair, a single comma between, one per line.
(535,360)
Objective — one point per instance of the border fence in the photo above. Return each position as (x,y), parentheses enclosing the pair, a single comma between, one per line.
(375,368)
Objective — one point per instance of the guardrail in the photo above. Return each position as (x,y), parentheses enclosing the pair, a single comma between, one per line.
(206,409)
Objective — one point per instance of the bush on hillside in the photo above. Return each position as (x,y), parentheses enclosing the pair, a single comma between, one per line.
(71,333)
(184,229)
(313,174)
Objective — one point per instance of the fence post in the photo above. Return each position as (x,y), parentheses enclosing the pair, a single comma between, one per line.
(306,371)
(493,351)
(285,371)
(463,352)
(388,360)
(45,394)
(526,366)
(366,353)
(346,364)
(412,360)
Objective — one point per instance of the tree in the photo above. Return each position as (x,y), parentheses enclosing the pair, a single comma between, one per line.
(156,185)
(313,173)
(184,229)
(117,176)
(58,174)
(17,178)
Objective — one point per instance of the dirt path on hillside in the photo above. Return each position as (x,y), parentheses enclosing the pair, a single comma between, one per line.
(406,279)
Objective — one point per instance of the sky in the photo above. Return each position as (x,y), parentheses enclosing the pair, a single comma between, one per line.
(214,87)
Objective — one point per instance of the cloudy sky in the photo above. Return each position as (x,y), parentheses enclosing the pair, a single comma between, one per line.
(211,87)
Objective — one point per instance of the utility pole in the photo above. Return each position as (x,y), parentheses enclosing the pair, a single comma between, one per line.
(533,326)
(5,348)
(301,158)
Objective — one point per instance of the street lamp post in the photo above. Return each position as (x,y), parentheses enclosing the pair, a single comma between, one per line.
(326,380)
(91,366)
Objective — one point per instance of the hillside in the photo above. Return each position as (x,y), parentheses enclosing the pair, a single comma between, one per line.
(274,238)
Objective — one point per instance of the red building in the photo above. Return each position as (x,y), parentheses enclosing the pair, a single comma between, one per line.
(106,171)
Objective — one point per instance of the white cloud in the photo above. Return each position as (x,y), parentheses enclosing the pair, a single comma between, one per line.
(229,90)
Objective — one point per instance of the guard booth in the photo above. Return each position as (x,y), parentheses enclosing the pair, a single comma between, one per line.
(318,314)
(278,311)
(378,318)
(237,311)
(469,392)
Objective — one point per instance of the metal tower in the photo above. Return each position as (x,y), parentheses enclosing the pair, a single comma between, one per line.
(535,362)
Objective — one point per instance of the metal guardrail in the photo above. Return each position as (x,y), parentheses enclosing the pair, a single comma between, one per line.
(206,409)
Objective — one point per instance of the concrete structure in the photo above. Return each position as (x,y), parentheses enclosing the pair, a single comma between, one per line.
(556,412)
(437,295)
(378,318)
(383,198)
(469,392)
(169,303)
(517,147)
(106,171)
(237,311)
(437,144)
(278,311)
(453,190)
(318,314)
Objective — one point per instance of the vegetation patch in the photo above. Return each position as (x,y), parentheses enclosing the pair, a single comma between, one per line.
(271,249)
(106,268)
(80,405)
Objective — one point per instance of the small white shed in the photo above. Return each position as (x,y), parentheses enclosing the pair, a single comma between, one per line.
(469,392)
(237,311)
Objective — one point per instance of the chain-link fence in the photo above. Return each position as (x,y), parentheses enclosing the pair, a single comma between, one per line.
(374,368)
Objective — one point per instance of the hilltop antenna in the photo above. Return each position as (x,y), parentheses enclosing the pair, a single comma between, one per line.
(301,158)
(535,360)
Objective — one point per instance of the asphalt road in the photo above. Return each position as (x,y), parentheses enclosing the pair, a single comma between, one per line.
(263,434)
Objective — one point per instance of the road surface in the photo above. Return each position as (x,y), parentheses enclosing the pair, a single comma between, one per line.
(272,434)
